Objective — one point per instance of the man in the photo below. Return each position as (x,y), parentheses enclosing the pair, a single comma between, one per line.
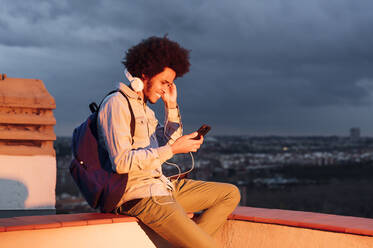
(149,195)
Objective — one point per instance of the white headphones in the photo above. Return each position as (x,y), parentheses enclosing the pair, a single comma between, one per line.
(136,83)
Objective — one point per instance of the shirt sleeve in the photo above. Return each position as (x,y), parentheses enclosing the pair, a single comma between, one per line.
(172,129)
(114,121)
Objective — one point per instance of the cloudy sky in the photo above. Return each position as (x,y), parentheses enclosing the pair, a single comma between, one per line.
(294,67)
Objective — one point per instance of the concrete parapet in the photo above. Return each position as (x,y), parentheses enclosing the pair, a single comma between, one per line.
(246,227)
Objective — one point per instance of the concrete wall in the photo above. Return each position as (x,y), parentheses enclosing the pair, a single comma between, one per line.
(234,234)
(27,182)
(27,157)
(106,235)
(259,235)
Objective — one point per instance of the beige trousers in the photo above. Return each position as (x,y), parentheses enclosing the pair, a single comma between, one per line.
(167,216)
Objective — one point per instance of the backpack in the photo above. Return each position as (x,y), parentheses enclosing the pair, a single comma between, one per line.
(91,167)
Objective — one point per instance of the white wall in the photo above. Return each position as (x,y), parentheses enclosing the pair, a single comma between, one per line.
(128,234)
(27,182)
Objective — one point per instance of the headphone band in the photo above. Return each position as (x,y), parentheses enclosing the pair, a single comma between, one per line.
(128,75)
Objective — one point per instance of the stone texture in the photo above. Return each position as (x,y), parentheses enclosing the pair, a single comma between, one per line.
(26,117)
(27,93)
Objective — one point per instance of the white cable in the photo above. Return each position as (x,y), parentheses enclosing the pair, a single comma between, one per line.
(184,173)
(173,164)
(178,177)
(179,174)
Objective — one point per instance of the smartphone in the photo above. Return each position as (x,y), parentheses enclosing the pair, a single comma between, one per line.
(202,131)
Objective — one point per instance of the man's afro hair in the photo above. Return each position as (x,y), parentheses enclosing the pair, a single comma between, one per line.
(153,54)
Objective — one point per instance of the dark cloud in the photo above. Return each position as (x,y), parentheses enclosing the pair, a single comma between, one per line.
(258,67)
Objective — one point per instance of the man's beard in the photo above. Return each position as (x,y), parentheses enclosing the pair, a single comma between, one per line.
(148,90)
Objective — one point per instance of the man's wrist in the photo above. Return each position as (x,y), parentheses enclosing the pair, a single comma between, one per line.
(165,152)
(171,105)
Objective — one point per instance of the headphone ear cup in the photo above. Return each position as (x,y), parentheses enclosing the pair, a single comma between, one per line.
(137,84)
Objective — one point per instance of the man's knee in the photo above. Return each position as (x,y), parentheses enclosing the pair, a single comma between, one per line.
(232,195)
(235,194)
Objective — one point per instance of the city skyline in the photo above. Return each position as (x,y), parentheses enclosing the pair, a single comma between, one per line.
(258,68)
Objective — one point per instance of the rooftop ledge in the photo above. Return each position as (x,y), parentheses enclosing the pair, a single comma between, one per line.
(272,221)
(326,222)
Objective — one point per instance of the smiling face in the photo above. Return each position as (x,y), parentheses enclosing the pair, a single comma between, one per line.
(155,87)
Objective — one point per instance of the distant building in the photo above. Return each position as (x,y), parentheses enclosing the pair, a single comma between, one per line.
(355,133)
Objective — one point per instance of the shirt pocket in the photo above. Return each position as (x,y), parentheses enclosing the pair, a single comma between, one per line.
(141,136)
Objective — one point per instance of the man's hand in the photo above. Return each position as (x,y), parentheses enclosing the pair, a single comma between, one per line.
(169,96)
(186,144)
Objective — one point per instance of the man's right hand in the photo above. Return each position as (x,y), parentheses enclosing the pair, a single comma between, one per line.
(187,143)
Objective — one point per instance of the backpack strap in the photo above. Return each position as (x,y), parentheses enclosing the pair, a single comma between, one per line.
(93,106)
(94,109)
(132,115)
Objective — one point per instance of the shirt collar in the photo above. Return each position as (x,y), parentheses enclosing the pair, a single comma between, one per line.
(127,90)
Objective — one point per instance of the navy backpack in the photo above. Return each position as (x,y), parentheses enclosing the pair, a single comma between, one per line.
(91,167)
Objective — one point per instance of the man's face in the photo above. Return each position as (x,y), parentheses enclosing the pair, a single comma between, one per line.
(155,87)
